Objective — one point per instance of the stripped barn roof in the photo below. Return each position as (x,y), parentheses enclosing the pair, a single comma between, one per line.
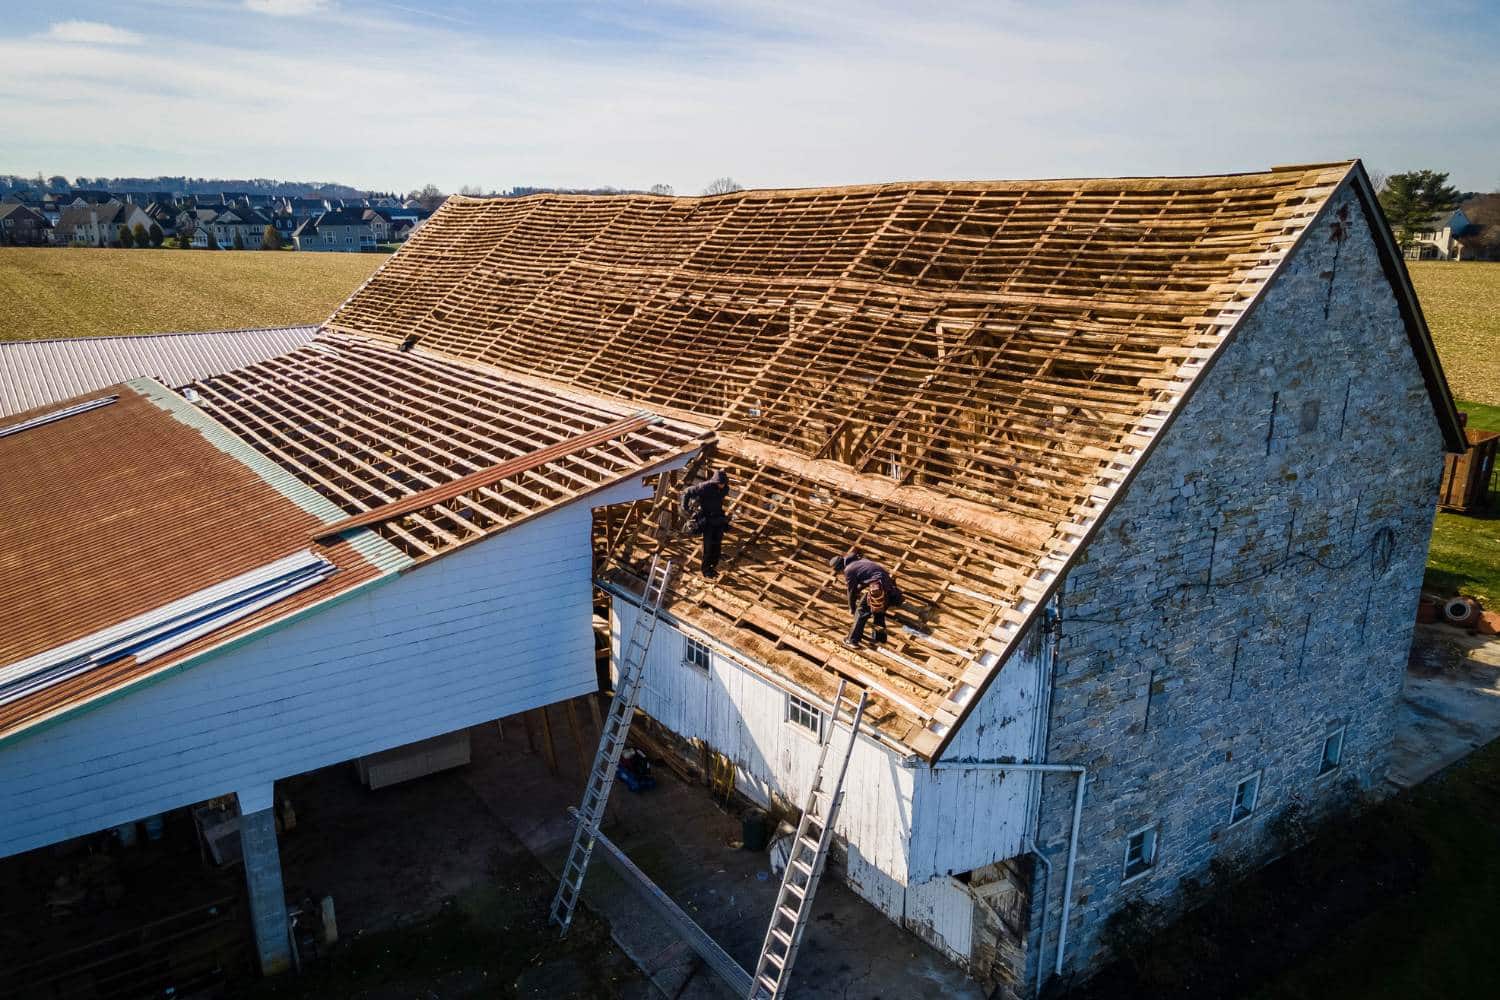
(129,506)
(956,377)
(38,372)
(370,427)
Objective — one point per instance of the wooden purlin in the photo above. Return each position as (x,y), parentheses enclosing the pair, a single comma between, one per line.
(368,426)
(475,481)
(1002,353)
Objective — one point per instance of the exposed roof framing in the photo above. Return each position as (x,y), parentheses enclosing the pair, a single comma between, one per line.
(956,377)
(368,426)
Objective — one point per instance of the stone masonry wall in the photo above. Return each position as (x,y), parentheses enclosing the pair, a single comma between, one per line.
(1254,590)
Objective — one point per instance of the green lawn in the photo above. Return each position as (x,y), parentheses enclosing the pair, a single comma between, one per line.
(68,292)
(1465,553)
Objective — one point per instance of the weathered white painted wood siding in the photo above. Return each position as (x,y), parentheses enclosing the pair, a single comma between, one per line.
(941,912)
(965,819)
(743,716)
(497,628)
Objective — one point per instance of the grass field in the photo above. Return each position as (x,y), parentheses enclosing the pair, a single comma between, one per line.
(68,292)
(1462,306)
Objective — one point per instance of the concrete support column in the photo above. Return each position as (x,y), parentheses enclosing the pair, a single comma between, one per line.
(263,879)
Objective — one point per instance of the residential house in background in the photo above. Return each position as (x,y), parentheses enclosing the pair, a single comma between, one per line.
(343,230)
(1481,240)
(87,225)
(379,223)
(235,223)
(23,226)
(1439,240)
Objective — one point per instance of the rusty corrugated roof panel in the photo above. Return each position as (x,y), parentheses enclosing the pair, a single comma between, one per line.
(120,510)
(40,372)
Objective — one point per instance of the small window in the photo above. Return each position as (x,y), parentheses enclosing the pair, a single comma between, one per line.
(1333,751)
(1140,853)
(694,653)
(1246,794)
(804,714)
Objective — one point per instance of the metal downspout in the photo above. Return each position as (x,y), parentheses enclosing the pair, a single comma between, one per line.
(1083,776)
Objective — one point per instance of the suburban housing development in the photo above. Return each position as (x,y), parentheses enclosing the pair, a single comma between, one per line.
(1119,440)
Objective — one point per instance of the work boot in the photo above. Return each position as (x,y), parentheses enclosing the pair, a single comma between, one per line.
(880,637)
(709,572)
(852,643)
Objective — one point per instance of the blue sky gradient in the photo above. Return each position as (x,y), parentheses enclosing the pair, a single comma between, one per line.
(397,94)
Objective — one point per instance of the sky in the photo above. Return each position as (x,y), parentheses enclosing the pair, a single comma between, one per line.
(394,95)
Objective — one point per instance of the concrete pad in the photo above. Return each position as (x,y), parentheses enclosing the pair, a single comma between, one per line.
(1451,704)
(687,845)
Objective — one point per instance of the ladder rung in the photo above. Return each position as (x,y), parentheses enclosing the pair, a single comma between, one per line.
(805,869)
(785,939)
(795,890)
(768,983)
(775,961)
(787,911)
(811,842)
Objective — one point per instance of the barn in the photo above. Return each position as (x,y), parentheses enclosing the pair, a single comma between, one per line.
(187,619)
(1155,460)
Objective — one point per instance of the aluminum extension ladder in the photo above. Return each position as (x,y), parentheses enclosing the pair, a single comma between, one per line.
(611,744)
(804,866)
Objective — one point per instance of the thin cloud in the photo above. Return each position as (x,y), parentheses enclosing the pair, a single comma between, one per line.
(773,94)
(92,33)
(287,8)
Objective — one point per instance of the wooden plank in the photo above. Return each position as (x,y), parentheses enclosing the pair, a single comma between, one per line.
(448,491)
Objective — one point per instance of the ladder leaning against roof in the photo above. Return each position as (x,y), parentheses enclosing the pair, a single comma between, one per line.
(611,744)
(804,865)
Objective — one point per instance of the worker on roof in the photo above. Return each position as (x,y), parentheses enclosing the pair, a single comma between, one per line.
(872,591)
(704,506)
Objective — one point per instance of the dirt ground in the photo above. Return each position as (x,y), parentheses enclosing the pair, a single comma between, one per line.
(434,898)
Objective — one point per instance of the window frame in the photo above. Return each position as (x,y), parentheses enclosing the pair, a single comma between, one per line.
(794,705)
(691,648)
(1331,735)
(1234,803)
(1154,831)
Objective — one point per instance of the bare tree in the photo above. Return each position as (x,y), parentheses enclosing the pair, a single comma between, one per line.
(1377,179)
(665,189)
(471,191)
(723,185)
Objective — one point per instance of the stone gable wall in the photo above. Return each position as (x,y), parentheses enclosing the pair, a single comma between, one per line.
(1254,590)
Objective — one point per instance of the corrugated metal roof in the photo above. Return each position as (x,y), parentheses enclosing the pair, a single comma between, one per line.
(126,508)
(41,372)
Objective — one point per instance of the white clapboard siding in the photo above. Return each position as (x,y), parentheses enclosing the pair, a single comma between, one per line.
(743,716)
(502,626)
(963,818)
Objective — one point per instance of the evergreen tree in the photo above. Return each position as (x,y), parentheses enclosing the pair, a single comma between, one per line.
(239,240)
(1410,200)
(156,235)
(124,237)
(141,237)
(213,242)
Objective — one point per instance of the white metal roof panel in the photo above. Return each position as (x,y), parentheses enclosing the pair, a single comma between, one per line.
(40,372)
